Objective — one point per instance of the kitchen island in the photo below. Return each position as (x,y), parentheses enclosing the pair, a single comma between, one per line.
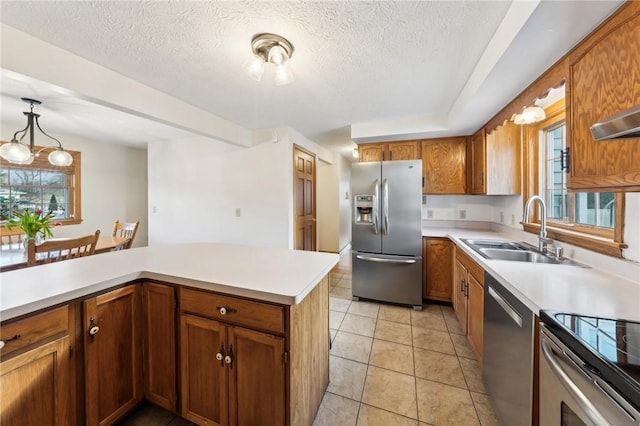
(229,332)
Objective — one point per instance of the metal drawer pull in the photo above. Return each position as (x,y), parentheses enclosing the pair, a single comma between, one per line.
(383,260)
(505,305)
(4,342)
(571,387)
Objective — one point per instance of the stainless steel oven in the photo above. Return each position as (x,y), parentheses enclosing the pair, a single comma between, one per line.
(574,393)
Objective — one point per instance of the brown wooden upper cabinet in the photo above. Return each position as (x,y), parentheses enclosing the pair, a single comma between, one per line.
(444,165)
(384,151)
(477,162)
(604,80)
(501,172)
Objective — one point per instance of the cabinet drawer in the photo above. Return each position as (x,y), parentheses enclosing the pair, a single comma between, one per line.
(238,311)
(33,329)
(474,269)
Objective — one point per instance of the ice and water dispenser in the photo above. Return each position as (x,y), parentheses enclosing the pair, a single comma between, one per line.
(363,211)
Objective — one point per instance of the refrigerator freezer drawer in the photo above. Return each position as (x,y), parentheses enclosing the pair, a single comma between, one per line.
(387,278)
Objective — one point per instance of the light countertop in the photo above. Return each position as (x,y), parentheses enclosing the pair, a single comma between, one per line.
(565,288)
(273,275)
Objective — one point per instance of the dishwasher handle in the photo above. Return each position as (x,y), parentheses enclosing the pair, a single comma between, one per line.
(572,388)
(515,316)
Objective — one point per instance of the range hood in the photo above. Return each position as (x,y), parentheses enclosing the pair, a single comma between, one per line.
(623,125)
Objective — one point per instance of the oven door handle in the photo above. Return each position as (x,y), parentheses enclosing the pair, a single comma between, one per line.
(590,411)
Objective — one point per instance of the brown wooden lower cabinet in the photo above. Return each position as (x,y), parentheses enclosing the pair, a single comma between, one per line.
(468,299)
(113,355)
(37,375)
(231,375)
(437,263)
(159,320)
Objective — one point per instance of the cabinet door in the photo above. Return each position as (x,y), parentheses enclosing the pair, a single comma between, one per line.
(478,163)
(371,152)
(257,382)
(158,305)
(503,159)
(36,386)
(113,355)
(604,81)
(459,296)
(476,314)
(444,166)
(203,377)
(408,150)
(439,269)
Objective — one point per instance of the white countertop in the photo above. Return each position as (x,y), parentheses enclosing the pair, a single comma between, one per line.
(587,291)
(274,275)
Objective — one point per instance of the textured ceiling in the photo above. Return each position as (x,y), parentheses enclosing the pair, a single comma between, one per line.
(353,61)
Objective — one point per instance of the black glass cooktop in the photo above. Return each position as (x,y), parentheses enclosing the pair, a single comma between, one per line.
(610,347)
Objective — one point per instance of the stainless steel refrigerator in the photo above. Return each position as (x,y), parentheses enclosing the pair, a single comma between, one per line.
(386,233)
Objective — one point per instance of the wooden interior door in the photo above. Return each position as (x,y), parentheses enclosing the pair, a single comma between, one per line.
(257,378)
(35,387)
(159,344)
(304,199)
(203,377)
(113,355)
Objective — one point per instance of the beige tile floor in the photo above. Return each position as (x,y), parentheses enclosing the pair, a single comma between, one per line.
(391,365)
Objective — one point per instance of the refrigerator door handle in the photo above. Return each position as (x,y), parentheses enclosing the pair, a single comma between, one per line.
(376,193)
(385,207)
(384,260)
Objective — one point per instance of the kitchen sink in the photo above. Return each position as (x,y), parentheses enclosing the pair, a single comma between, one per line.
(515,251)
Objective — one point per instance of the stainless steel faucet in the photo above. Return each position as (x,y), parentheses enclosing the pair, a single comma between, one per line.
(543,241)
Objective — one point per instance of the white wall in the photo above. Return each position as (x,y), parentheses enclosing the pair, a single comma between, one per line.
(113,186)
(344,202)
(196,185)
(327,200)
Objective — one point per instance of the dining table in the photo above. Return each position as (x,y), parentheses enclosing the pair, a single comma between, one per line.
(14,256)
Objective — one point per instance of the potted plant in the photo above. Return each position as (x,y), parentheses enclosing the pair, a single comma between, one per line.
(33,223)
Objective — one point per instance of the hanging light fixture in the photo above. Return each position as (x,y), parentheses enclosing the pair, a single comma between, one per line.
(530,115)
(274,49)
(19,153)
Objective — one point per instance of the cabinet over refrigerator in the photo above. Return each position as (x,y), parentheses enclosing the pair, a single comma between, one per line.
(386,235)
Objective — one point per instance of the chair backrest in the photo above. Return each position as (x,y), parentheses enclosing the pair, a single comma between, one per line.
(61,249)
(125,230)
(11,237)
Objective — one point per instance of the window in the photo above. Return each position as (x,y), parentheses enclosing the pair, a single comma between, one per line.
(586,219)
(41,185)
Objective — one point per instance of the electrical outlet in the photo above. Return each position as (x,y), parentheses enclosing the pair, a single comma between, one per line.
(463,214)
(501,217)
(429,214)
(238,212)
(513,219)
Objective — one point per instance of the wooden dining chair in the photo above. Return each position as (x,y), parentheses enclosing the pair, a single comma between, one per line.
(61,249)
(125,230)
(11,237)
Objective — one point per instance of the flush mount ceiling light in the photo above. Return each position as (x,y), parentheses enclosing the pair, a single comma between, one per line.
(530,115)
(355,153)
(273,49)
(18,153)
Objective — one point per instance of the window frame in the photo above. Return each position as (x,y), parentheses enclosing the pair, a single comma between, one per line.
(72,172)
(599,239)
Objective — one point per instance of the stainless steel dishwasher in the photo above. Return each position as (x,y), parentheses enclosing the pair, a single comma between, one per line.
(507,354)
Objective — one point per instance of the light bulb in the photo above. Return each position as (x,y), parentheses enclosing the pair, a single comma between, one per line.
(277,55)
(15,152)
(283,74)
(60,157)
(254,67)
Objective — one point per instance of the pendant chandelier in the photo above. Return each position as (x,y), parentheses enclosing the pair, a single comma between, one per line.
(17,152)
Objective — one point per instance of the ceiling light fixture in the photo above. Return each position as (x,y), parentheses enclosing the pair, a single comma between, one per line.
(355,153)
(274,49)
(530,115)
(18,153)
